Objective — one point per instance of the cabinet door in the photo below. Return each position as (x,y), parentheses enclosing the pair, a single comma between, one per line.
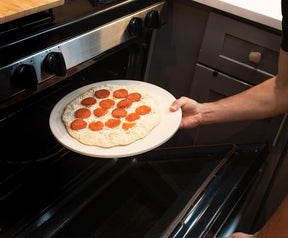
(209,85)
(239,49)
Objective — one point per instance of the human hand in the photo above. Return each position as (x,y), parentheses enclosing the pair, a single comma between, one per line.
(241,235)
(191,113)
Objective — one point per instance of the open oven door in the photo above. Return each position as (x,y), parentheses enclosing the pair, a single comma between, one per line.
(218,208)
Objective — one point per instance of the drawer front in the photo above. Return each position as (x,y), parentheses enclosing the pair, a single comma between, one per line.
(241,50)
(209,85)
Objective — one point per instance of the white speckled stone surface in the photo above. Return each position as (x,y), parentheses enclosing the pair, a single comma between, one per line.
(266,12)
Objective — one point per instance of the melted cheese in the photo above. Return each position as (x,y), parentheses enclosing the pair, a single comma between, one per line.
(108,137)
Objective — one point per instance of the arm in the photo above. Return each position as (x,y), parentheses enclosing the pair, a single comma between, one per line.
(267,99)
(277,226)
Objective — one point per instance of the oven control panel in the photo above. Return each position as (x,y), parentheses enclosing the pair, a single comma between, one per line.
(28,73)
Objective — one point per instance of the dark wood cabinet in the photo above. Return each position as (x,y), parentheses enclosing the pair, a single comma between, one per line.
(226,67)
(228,43)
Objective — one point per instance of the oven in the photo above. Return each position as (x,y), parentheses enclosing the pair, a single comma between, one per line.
(47,190)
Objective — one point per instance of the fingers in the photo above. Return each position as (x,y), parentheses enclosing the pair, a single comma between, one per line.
(240,235)
(178,104)
(191,116)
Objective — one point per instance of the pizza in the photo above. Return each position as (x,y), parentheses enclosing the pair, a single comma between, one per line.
(110,115)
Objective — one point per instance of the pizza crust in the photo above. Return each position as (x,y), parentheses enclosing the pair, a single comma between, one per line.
(109,137)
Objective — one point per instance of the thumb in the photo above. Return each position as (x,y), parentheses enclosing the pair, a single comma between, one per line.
(178,104)
(174,106)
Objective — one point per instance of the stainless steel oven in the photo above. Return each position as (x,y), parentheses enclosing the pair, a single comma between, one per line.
(47,190)
(45,49)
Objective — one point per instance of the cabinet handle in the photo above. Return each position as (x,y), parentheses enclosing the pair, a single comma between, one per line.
(255,57)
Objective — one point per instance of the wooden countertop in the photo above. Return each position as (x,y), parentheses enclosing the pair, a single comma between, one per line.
(14,9)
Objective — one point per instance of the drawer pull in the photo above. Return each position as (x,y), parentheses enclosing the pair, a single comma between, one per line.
(255,57)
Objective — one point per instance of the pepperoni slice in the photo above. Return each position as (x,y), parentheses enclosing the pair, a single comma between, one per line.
(99,112)
(132,116)
(102,93)
(107,103)
(120,93)
(119,112)
(143,110)
(124,103)
(88,101)
(82,113)
(78,124)
(128,125)
(95,125)
(111,123)
(134,97)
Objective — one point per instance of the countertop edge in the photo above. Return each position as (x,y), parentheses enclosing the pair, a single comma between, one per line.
(244,13)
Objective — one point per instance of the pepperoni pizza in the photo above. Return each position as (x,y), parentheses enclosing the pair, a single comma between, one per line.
(110,115)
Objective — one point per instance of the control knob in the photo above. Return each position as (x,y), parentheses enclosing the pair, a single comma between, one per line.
(24,76)
(153,20)
(54,63)
(135,27)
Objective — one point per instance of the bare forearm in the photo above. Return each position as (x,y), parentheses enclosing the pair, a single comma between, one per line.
(277,226)
(262,101)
